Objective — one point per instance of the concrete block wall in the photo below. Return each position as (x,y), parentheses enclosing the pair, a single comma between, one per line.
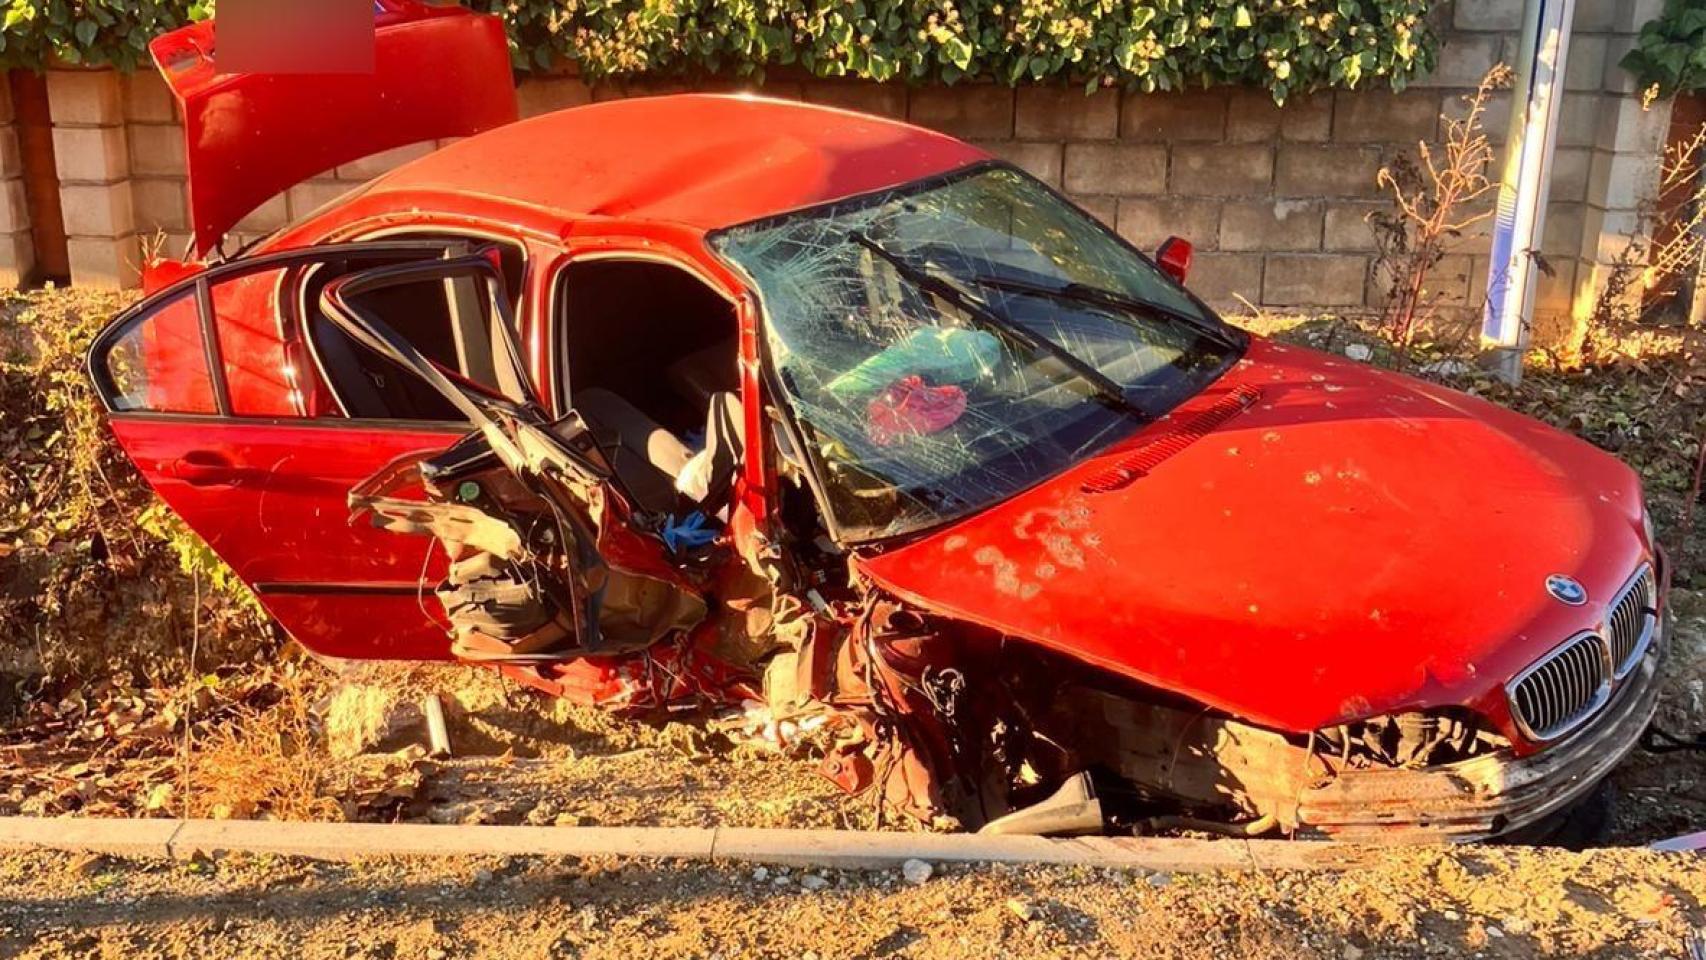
(133,193)
(91,147)
(1274,198)
(158,191)
(17,248)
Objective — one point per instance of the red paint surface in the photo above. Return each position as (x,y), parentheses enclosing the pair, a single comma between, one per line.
(252,346)
(174,360)
(439,71)
(270,499)
(1356,543)
(700,160)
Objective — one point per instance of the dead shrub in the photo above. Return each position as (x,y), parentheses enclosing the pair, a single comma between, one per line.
(265,762)
(1658,271)
(1435,198)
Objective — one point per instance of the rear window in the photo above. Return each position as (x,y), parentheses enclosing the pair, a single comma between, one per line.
(160,363)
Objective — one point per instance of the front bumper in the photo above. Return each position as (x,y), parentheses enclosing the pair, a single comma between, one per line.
(1489,795)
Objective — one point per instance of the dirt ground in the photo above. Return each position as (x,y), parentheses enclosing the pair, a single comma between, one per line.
(1485,902)
(525,759)
(1664,795)
(522,758)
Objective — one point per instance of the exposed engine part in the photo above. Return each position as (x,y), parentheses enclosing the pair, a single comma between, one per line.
(887,739)
(1199,767)
(1072,810)
(1408,740)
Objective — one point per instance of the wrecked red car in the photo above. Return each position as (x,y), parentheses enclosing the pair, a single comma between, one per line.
(713,402)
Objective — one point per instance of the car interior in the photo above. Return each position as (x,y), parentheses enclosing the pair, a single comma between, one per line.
(650,354)
(652,367)
(450,322)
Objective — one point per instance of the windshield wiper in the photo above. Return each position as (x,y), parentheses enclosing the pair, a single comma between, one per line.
(949,289)
(1083,293)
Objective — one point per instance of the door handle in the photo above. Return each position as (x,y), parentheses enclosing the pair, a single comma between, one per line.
(202,468)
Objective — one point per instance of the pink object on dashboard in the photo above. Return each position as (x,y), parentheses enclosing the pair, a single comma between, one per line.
(910,408)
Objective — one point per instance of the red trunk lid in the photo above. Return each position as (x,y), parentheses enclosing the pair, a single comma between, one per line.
(438,72)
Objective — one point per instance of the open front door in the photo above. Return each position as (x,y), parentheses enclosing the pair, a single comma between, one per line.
(439,71)
(252,417)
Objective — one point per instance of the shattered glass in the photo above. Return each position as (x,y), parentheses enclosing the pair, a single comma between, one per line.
(920,408)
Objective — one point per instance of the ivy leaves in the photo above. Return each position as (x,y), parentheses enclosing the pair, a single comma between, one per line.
(93,32)
(1670,53)
(1284,46)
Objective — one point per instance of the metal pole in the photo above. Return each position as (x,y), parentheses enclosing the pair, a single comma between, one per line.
(1521,215)
(438,734)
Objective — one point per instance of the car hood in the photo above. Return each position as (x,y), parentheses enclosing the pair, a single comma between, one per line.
(1353,543)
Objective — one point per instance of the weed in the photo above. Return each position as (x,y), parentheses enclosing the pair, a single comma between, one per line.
(266,762)
(96,574)
(1434,200)
(1657,271)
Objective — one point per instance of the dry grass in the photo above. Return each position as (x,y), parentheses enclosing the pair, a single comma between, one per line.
(95,577)
(268,762)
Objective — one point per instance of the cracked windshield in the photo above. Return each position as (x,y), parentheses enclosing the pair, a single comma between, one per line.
(946,345)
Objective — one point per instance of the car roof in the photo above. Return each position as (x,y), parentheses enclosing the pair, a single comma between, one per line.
(702,160)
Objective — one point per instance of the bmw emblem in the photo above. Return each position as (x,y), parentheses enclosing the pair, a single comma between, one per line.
(1566,590)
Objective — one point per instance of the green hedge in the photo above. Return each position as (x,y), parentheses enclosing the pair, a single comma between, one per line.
(1670,54)
(1280,45)
(89,31)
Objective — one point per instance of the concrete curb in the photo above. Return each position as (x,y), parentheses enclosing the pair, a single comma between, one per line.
(813,848)
(139,838)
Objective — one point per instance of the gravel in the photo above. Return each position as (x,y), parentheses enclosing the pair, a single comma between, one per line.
(1490,902)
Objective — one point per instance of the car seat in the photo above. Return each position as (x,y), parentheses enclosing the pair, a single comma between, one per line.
(706,477)
(703,373)
(645,457)
(656,468)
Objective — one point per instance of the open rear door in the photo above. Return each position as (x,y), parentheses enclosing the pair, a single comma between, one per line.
(439,71)
(213,388)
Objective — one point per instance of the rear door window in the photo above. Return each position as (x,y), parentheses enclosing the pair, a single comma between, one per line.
(160,363)
(258,323)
